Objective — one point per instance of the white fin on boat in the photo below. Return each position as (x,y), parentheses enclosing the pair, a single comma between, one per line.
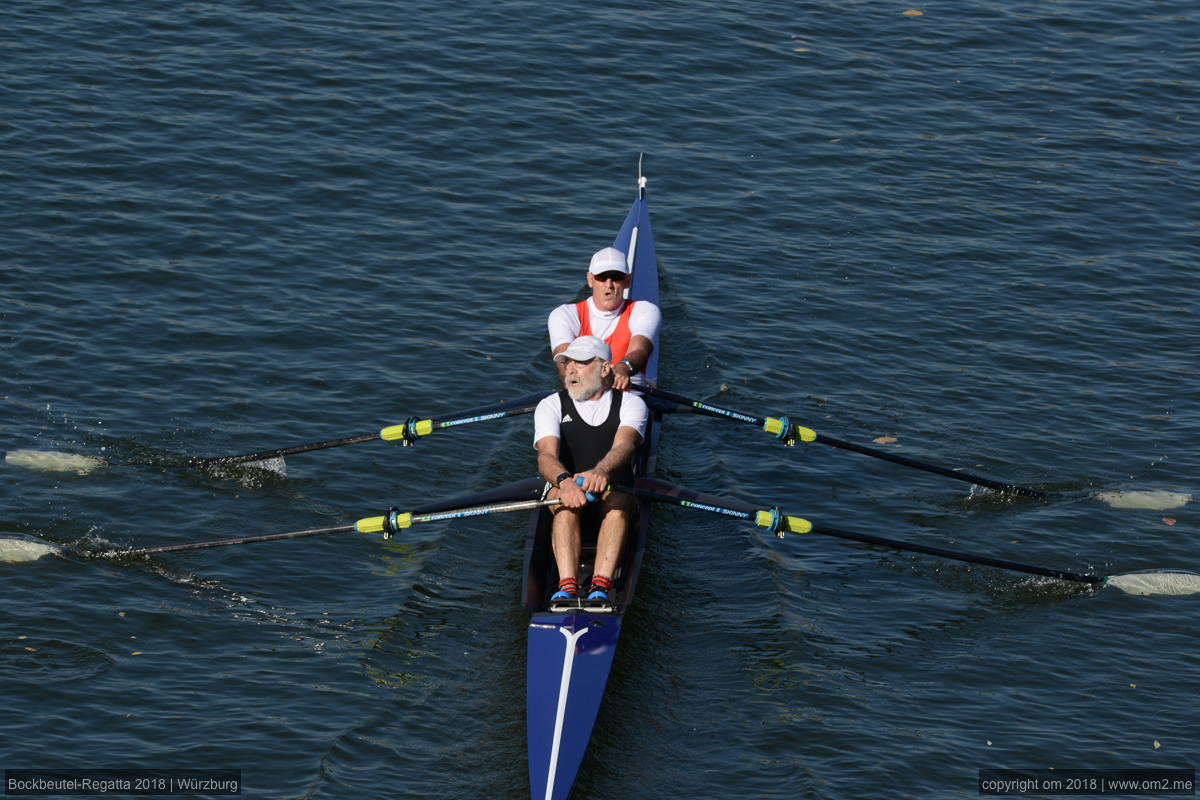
(24,550)
(1158,582)
(53,461)
(1149,501)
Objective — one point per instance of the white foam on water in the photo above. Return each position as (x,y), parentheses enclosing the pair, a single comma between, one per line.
(276,465)
(1160,582)
(24,550)
(1150,501)
(53,461)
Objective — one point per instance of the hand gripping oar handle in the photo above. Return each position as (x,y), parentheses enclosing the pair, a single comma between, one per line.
(779,523)
(784,429)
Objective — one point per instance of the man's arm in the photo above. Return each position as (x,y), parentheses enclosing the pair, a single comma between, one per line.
(625,443)
(550,467)
(638,355)
(643,324)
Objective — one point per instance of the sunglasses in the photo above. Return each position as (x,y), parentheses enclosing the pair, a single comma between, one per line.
(614,276)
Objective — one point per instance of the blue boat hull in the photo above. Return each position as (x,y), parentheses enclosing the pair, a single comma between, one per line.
(569,660)
(570,652)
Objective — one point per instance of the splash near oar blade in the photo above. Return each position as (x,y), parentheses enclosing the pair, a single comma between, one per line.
(1167,581)
(24,550)
(1147,501)
(54,461)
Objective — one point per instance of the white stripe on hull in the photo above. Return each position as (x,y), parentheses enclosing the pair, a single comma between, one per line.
(629,257)
(564,688)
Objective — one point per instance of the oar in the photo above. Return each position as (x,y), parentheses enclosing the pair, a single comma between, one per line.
(407,432)
(1153,582)
(389,524)
(790,433)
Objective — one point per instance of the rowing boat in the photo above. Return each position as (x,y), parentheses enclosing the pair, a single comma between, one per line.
(571,644)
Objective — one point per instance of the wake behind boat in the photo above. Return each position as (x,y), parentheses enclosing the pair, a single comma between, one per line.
(571,643)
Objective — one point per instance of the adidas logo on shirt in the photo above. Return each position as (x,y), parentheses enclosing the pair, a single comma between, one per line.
(567,418)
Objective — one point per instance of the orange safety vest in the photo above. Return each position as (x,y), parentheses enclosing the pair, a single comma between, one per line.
(618,340)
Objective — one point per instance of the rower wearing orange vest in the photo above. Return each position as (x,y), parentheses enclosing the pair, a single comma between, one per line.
(630,328)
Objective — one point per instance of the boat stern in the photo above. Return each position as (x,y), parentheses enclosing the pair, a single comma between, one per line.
(568,664)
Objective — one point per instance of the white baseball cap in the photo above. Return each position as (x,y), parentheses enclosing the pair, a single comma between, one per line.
(610,259)
(585,348)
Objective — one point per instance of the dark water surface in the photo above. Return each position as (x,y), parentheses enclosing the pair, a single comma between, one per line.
(227,227)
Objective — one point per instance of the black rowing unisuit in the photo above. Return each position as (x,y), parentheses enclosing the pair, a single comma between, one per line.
(584,445)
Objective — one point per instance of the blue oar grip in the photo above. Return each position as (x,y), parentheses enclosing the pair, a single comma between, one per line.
(591,498)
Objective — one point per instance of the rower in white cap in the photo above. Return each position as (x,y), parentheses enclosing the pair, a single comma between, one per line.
(591,432)
(630,328)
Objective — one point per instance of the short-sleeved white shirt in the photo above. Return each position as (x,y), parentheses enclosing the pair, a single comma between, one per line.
(547,417)
(564,322)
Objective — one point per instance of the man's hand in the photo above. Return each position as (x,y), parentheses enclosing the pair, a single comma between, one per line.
(622,372)
(594,480)
(571,494)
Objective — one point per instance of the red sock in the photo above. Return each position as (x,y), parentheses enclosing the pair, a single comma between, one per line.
(569,585)
(602,582)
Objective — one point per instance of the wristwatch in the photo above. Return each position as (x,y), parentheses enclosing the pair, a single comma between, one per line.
(560,479)
(629,364)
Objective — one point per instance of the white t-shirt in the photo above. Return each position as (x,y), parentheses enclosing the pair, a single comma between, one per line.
(547,417)
(564,322)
